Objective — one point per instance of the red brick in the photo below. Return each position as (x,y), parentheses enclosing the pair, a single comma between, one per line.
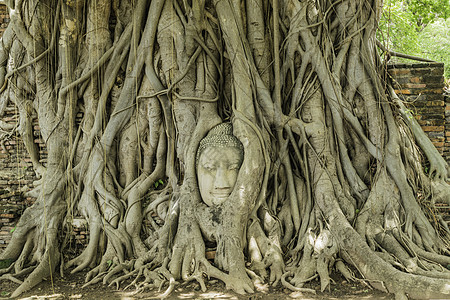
(10,216)
(210,254)
(433,128)
(436,103)
(415,79)
(415,85)
(17,181)
(404,91)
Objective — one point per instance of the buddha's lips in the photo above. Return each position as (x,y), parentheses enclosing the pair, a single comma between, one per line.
(221,194)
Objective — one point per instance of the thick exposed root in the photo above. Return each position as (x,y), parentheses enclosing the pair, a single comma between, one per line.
(288,285)
(44,269)
(318,258)
(266,257)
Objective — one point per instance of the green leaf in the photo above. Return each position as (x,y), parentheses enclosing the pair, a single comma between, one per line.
(109,262)
(12,230)
(159,182)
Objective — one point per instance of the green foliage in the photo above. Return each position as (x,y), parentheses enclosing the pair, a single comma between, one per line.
(417,14)
(434,43)
(417,27)
(159,182)
(427,11)
(396,28)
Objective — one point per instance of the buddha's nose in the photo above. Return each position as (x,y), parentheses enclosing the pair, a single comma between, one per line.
(222,181)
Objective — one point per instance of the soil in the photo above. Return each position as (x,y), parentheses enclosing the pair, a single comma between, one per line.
(70,287)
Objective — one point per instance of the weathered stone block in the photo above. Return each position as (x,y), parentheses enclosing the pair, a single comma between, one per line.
(421,71)
(397,72)
(431,122)
(415,85)
(438,71)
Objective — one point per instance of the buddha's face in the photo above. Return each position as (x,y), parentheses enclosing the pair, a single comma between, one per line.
(217,171)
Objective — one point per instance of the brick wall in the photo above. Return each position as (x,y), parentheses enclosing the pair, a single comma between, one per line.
(447,129)
(4,18)
(16,174)
(421,86)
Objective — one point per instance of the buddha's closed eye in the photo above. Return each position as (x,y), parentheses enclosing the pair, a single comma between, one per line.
(209,167)
(234,167)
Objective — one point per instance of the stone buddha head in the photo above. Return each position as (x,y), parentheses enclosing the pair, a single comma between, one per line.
(219,158)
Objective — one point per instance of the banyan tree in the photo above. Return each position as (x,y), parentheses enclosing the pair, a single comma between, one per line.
(265,132)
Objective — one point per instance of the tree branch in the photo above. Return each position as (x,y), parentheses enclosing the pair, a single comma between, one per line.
(398,54)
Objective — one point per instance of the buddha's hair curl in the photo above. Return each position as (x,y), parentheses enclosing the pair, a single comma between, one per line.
(220,136)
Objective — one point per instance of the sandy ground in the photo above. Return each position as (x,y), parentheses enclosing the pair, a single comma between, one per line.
(70,287)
